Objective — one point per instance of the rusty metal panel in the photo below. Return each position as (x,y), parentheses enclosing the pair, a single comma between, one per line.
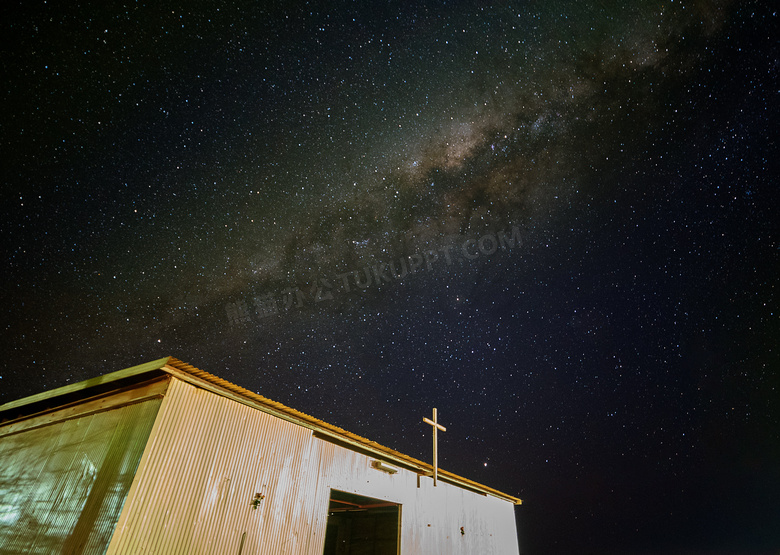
(206,459)
(64,475)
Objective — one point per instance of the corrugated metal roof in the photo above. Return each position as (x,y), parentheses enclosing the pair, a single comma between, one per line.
(45,401)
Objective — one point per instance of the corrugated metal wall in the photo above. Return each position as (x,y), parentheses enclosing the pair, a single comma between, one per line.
(433,522)
(431,518)
(64,475)
(208,456)
(206,459)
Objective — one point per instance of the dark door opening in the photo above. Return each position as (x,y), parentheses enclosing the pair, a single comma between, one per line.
(360,525)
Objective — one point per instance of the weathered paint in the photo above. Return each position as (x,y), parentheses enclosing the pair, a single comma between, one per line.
(208,456)
(212,448)
(222,387)
(431,517)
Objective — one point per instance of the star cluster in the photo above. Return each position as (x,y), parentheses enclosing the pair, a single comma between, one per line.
(556,222)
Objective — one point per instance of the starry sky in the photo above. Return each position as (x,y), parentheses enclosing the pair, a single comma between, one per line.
(556,222)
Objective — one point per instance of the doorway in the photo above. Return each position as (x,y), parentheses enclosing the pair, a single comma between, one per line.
(359,525)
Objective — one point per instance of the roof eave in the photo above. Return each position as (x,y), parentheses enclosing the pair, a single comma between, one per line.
(199,378)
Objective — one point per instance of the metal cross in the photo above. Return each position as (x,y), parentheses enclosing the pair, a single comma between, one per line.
(436,428)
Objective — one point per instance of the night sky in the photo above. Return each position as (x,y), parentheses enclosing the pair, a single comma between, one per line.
(556,222)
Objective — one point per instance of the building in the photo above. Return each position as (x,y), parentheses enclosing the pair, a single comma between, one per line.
(165,458)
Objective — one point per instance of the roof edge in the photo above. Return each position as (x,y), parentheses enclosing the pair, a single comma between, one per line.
(280,410)
(199,378)
(86,384)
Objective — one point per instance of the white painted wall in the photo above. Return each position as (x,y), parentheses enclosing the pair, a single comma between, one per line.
(207,456)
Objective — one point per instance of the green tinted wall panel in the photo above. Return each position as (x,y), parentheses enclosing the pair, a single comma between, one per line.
(63,483)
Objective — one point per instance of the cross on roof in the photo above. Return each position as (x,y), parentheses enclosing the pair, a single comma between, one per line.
(436,428)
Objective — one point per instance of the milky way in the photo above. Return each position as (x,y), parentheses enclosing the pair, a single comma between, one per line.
(554,221)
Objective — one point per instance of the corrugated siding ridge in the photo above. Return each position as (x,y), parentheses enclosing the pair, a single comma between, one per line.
(315,423)
(216,453)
